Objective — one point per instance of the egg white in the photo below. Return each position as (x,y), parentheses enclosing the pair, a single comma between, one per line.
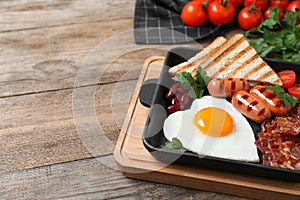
(239,145)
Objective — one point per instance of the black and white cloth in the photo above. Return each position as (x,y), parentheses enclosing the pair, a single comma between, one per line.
(159,22)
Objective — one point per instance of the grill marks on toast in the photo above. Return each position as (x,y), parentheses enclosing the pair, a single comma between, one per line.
(268,76)
(234,58)
(227,62)
(243,68)
(199,58)
(224,55)
(218,54)
(206,55)
(254,70)
(240,62)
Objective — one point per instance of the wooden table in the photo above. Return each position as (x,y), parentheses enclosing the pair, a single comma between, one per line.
(68,69)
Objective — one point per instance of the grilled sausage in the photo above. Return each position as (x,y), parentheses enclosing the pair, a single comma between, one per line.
(250,106)
(275,104)
(226,87)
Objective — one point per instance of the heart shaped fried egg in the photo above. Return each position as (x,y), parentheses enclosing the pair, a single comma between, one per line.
(213,127)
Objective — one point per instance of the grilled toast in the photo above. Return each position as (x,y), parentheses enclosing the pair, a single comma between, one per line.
(232,58)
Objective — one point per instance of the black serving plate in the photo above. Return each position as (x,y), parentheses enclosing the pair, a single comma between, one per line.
(152,94)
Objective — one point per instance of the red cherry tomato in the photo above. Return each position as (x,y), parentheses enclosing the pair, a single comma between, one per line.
(220,12)
(249,18)
(236,3)
(281,4)
(288,78)
(193,14)
(259,4)
(205,1)
(267,11)
(293,5)
(295,90)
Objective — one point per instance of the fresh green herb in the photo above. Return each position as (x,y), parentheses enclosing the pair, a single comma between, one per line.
(278,39)
(196,87)
(287,99)
(175,144)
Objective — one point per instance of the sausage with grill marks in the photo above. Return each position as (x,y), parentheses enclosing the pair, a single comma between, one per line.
(275,104)
(250,106)
(226,87)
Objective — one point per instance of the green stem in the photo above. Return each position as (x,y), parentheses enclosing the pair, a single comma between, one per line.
(204,5)
(252,8)
(224,3)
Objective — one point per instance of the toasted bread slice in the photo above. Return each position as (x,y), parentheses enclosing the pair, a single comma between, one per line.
(217,58)
(204,55)
(235,58)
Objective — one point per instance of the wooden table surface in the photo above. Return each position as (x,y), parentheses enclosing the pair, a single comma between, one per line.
(68,69)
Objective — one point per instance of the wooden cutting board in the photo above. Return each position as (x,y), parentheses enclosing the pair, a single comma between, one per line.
(136,162)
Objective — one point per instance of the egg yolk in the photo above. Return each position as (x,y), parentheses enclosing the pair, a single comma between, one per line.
(213,121)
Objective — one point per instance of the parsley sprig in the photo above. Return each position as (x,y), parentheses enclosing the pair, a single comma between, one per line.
(175,144)
(194,87)
(278,39)
(287,99)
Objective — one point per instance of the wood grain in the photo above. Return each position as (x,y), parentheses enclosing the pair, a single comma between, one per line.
(68,70)
(32,14)
(29,139)
(53,48)
(90,179)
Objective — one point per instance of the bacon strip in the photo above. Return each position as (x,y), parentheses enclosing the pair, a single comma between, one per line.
(279,141)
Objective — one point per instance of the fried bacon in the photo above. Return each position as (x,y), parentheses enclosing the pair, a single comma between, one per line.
(279,141)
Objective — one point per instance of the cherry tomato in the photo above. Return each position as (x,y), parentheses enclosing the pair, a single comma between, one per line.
(259,4)
(193,14)
(267,11)
(281,4)
(295,90)
(236,3)
(293,5)
(205,1)
(220,12)
(249,18)
(288,78)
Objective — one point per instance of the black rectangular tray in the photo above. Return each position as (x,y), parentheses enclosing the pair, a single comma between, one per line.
(152,95)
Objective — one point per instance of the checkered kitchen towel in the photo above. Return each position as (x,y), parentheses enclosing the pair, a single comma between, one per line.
(159,22)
